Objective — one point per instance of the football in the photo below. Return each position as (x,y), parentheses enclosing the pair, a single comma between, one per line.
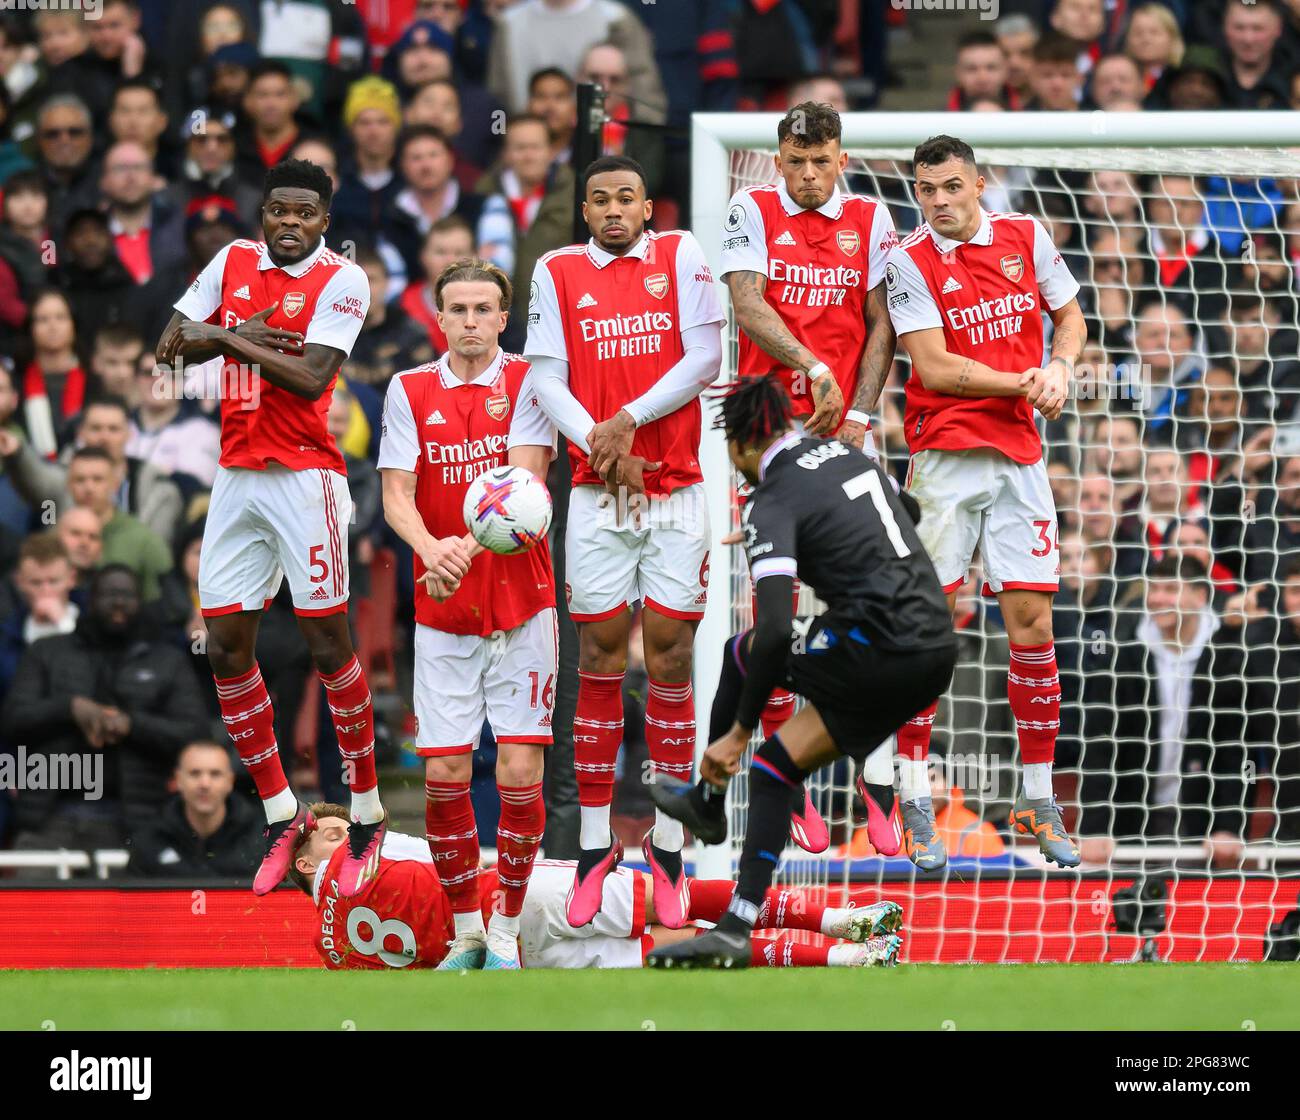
(508,510)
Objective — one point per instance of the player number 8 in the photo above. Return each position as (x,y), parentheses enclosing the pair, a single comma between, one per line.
(380,930)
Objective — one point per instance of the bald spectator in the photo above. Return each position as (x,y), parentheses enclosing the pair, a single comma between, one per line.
(82,537)
(606,65)
(980,74)
(64,143)
(1258,76)
(535,34)
(206,830)
(148,232)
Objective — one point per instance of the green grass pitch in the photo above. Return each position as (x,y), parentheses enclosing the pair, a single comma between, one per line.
(919,997)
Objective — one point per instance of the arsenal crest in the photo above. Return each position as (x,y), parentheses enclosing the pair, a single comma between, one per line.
(657,284)
(849,241)
(498,406)
(1013,267)
(292,303)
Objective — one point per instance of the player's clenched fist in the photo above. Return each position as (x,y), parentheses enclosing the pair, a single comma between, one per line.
(448,559)
(256,331)
(828,401)
(1047,388)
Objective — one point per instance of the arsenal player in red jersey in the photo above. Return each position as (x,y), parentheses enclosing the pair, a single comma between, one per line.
(624,333)
(289,310)
(485,639)
(967,292)
(805,263)
(402,918)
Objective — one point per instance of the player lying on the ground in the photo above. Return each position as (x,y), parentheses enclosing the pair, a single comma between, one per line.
(402,918)
(827,514)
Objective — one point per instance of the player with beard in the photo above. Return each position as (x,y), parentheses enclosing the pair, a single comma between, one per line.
(287,310)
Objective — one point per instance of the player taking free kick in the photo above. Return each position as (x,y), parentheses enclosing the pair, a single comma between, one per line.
(967,293)
(289,309)
(624,333)
(883,648)
(485,640)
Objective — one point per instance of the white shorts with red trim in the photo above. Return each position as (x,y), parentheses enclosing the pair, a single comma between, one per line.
(263,526)
(507,678)
(981,499)
(612,940)
(650,549)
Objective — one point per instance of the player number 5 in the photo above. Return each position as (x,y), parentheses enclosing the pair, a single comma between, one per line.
(316,560)
(868,482)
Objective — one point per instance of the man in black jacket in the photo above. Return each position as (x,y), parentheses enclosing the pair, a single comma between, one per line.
(107,691)
(205,831)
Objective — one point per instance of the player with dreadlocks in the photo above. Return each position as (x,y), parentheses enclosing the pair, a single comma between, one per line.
(824,512)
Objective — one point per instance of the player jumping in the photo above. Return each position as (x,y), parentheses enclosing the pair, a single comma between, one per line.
(624,333)
(806,268)
(288,309)
(883,648)
(967,292)
(402,919)
(485,639)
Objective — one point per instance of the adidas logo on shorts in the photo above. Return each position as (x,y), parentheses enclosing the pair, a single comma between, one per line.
(435,417)
(242,293)
(587,300)
(951,285)
(787,238)
(319,594)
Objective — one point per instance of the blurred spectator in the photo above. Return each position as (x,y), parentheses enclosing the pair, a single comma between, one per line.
(1187,257)
(1166,360)
(96,282)
(438,103)
(535,34)
(117,47)
(1083,619)
(449,239)
(1016,35)
(66,61)
(270,102)
(137,117)
(1166,501)
(1115,80)
(980,73)
(780,41)
(1273,536)
(1082,23)
(824,89)
(423,54)
(390,340)
(1105,531)
(539,196)
(147,231)
(64,142)
(82,537)
(204,831)
(229,74)
(169,434)
(53,386)
(372,116)
(25,232)
(1234,207)
(106,691)
(1153,41)
(1258,77)
(1136,713)
(552,96)
(1265,349)
(43,583)
(116,350)
(1196,84)
(322,44)
(208,166)
(606,65)
(1054,78)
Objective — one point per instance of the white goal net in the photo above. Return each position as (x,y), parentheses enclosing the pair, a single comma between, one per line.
(1176,472)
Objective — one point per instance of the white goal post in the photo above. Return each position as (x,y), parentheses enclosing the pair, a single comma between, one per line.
(731,150)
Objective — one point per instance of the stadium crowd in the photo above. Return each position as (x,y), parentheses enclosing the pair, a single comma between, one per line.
(133,146)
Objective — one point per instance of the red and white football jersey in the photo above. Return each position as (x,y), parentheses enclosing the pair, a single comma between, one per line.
(325,297)
(447,432)
(988,295)
(618,322)
(401,918)
(820,264)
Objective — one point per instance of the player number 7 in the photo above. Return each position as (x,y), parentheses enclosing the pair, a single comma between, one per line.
(868,482)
